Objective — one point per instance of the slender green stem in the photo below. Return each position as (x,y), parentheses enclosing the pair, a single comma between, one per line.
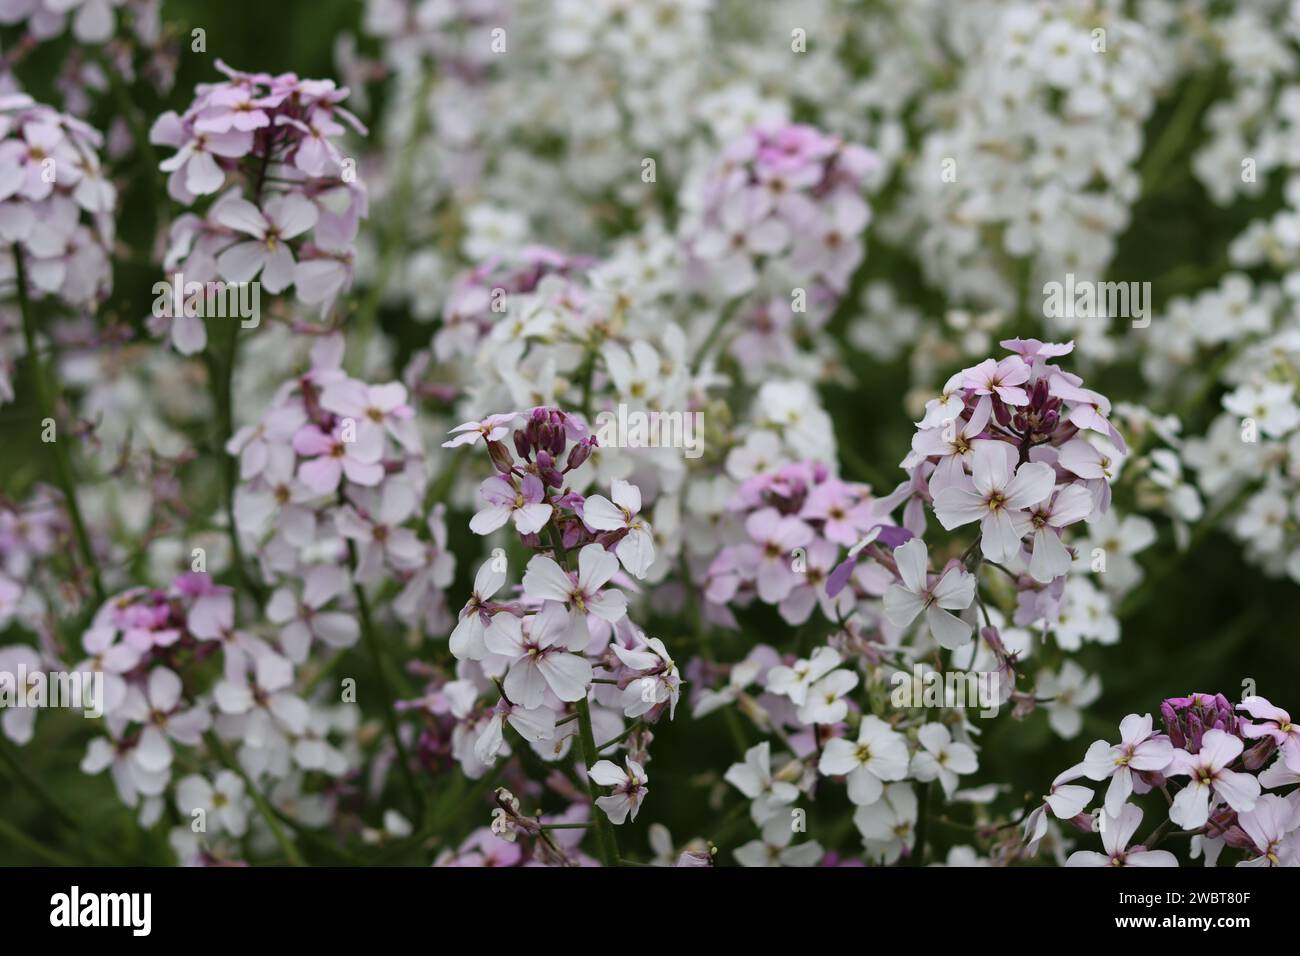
(377,663)
(1181,125)
(605,841)
(221,378)
(715,331)
(922,824)
(45,395)
(637,725)
(17,836)
(263,807)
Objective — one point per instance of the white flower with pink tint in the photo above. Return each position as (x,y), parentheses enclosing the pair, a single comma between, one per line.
(954,591)
(636,549)
(1210,779)
(1275,723)
(521,500)
(541,658)
(630,788)
(996,495)
(331,456)
(377,533)
(492,428)
(1051,558)
(374,406)
(303,621)
(580,593)
(1273,826)
(1140,750)
(159,708)
(1001,378)
(281,218)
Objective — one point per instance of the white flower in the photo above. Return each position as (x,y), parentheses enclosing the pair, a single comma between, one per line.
(467,639)
(879,754)
(1271,405)
(887,825)
(795,681)
(1069,691)
(942,757)
(544,580)
(223,801)
(754,779)
(825,703)
(774,848)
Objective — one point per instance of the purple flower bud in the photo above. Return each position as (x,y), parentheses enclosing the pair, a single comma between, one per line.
(501,458)
(579,453)
(522,444)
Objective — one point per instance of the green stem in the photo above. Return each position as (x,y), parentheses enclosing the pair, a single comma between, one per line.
(613,740)
(724,316)
(377,663)
(263,807)
(20,838)
(1181,125)
(45,393)
(922,824)
(222,383)
(605,841)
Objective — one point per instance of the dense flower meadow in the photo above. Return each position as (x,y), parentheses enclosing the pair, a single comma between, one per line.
(493,432)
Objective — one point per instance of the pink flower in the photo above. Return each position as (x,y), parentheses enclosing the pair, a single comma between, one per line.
(523,504)
(775,537)
(845,510)
(1116,831)
(232,107)
(1000,378)
(330,458)
(1210,777)
(996,498)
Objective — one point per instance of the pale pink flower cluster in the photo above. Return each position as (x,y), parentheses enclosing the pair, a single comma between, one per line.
(332,470)
(1212,766)
(526,662)
(796,520)
(294,204)
(56,203)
